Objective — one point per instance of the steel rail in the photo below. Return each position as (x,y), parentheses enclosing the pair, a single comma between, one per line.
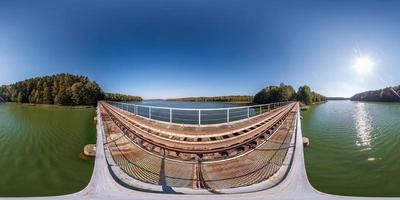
(197,109)
(244,141)
(198,115)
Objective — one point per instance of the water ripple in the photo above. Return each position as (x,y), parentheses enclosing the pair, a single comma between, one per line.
(363,125)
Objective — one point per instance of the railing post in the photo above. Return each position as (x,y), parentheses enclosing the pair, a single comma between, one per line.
(260,110)
(248,112)
(170,115)
(227,115)
(150,112)
(199,117)
(135,109)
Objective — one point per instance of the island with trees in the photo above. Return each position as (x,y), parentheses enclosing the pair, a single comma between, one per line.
(60,89)
(284,92)
(389,94)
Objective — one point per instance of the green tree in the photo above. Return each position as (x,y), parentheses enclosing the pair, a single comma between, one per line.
(19,97)
(288,93)
(47,97)
(32,97)
(304,95)
(93,93)
(78,93)
(273,94)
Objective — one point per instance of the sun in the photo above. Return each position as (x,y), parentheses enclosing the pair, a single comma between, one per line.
(363,65)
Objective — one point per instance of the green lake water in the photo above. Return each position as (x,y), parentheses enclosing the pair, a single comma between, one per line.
(355,148)
(40,147)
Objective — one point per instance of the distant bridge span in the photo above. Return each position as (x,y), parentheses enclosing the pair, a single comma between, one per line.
(103,185)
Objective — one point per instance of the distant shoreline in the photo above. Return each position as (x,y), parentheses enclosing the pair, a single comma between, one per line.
(375,101)
(338,98)
(237,102)
(389,94)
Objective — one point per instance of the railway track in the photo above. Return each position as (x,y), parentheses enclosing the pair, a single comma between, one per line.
(223,147)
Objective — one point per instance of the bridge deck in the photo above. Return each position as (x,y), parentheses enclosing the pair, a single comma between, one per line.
(209,148)
(257,164)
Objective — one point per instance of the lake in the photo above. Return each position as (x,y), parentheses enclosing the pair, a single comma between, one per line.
(354,149)
(40,149)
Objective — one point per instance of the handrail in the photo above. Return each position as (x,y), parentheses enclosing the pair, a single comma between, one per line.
(197,116)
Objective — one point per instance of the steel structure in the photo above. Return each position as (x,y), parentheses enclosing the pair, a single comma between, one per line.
(197,117)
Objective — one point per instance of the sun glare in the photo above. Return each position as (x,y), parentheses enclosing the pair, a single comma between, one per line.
(363,65)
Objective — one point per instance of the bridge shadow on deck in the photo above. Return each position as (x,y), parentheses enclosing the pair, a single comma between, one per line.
(162,181)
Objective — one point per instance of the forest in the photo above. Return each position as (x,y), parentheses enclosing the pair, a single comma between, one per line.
(284,92)
(121,97)
(389,94)
(60,89)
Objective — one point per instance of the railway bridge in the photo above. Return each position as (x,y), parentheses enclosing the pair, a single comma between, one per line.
(151,153)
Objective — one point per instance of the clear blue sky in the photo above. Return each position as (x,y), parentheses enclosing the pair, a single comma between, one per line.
(161,49)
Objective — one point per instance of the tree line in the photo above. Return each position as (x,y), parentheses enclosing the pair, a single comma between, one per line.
(284,92)
(232,98)
(60,89)
(389,94)
(121,97)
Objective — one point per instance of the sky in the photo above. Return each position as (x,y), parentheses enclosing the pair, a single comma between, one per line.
(167,49)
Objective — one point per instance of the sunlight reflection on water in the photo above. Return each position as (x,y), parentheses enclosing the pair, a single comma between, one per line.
(363,125)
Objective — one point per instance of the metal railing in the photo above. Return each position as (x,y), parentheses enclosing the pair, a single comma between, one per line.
(192,116)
